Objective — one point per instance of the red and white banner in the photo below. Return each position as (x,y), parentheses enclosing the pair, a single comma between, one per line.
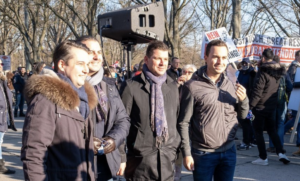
(252,46)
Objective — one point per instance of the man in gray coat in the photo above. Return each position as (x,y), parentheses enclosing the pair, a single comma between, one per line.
(151,99)
(111,122)
(210,104)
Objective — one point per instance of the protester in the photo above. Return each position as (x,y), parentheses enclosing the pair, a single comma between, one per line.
(6,114)
(263,104)
(174,71)
(285,88)
(20,79)
(187,72)
(246,79)
(208,105)
(39,67)
(288,125)
(151,99)
(111,121)
(57,140)
(294,65)
(9,78)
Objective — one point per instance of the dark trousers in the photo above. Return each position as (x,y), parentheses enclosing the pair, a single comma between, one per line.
(104,173)
(248,135)
(19,103)
(217,165)
(266,120)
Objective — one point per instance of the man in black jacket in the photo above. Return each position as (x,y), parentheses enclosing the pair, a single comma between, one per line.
(263,103)
(19,83)
(152,101)
(246,79)
(111,122)
(174,72)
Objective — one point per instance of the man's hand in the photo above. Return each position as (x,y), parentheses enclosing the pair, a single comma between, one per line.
(97,144)
(121,169)
(110,145)
(188,163)
(240,92)
(182,79)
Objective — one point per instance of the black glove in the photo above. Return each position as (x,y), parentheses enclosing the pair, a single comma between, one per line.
(109,145)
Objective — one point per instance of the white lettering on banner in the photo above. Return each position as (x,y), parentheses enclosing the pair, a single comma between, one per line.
(252,46)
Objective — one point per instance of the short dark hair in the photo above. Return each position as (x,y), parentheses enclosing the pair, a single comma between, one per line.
(174,58)
(86,38)
(276,59)
(268,54)
(63,51)
(218,43)
(297,53)
(156,45)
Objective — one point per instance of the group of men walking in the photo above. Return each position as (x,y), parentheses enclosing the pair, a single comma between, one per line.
(79,126)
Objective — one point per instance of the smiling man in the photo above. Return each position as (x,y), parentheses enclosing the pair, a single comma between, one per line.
(151,100)
(208,105)
(111,122)
(57,137)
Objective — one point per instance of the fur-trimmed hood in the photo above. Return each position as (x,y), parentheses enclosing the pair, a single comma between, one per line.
(58,91)
(273,69)
(2,77)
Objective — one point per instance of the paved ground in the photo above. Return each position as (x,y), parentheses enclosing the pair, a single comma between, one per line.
(245,171)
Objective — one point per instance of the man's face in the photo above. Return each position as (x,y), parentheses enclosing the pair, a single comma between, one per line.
(175,63)
(23,70)
(245,66)
(217,60)
(96,57)
(77,68)
(297,58)
(158,62)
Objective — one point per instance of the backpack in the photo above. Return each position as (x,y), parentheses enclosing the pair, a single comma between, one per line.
(282,95)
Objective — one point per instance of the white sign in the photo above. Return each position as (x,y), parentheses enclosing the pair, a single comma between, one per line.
(6,60)
(221,34)
(295,95)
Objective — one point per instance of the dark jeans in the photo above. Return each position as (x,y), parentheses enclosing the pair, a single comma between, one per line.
(266,120)
(248,135)
(104,173)
(220,165)
(290,124)
(19,103)
(280,119)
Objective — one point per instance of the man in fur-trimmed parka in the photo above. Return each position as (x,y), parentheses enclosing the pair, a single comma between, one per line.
(57,134)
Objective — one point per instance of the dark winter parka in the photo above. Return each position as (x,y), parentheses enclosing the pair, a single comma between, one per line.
(264,95)
(144,161)
(57,143)
(5,106)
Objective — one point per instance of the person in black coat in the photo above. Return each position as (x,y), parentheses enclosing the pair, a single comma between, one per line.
(246,79)
(152,101)
(174,71)
(111,122)
(19,81)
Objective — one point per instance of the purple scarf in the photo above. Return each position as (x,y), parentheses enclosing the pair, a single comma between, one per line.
(158,117)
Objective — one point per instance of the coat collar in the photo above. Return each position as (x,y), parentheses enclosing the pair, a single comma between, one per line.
(58,91)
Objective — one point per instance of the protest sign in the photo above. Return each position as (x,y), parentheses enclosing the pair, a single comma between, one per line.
(221,34)
(6,60)
(252,46)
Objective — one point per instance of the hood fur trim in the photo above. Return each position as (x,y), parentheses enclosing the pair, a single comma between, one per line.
(57,91)
(273,69)
(2,76)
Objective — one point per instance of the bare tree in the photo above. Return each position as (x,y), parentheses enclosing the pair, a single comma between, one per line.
(236,23)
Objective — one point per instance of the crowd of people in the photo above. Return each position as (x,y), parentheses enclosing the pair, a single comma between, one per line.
(86,122)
